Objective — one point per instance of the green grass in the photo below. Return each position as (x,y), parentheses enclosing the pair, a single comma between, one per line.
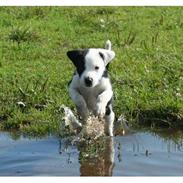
(147,73)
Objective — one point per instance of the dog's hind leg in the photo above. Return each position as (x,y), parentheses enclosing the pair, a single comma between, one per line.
(109,119)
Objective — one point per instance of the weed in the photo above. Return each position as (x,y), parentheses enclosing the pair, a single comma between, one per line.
(22,34)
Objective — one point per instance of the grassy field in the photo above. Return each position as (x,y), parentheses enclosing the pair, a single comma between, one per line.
(147,73)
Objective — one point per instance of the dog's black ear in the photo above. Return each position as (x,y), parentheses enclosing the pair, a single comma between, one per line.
(77,56)
(78,59)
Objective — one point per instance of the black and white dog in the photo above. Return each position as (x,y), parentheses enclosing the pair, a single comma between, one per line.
(90,88)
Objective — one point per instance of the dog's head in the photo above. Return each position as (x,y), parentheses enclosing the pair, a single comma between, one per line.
(91,63)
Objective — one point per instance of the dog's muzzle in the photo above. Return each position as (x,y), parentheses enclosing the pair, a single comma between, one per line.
(88,81)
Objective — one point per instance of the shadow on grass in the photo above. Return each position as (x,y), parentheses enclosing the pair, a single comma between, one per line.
(169,117)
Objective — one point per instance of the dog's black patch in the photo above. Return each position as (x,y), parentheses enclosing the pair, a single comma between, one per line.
(101,55)
(105,74)
(78,59)
(108,110)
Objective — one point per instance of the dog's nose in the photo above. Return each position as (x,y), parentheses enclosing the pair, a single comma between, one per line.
(88,81)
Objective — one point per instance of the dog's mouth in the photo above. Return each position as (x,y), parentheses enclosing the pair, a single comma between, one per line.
(88,85)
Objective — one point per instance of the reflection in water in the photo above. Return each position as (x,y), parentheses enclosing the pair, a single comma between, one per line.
(141,154)
(98,163)
(96,158)
(133,152)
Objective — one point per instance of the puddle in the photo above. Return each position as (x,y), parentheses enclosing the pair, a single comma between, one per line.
(137,154)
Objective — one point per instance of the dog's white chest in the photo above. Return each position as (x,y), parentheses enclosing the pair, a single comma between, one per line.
(90,95)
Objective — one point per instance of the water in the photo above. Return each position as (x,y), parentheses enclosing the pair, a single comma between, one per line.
(137,154)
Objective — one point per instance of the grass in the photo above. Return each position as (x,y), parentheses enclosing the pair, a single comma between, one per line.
(147,73)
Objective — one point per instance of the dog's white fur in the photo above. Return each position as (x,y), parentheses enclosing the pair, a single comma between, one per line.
(95,98)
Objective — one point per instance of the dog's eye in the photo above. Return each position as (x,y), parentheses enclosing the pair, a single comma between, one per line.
(96,67)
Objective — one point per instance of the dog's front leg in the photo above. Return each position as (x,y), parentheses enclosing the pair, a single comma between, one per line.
(80,103)
(104,108)
(102,101)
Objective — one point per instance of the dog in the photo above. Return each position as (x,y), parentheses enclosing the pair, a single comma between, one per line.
(90,88)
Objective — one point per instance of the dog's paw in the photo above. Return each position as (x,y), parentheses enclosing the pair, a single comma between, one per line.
(100,110)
